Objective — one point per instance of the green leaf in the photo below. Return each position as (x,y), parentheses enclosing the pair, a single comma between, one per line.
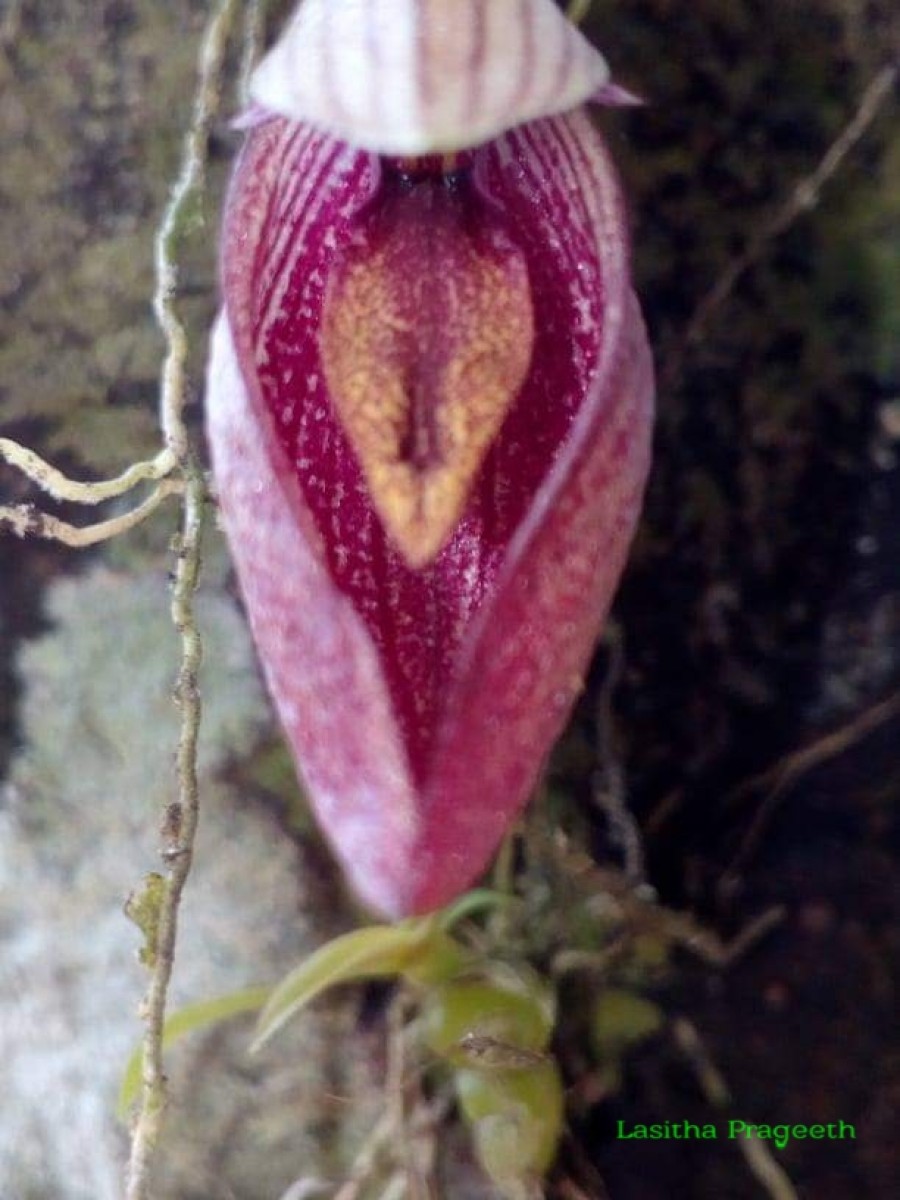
(468,905)
(187,1020)
(622,1019)
(476,1020)
(517,1119)
(416,949)
(143,907)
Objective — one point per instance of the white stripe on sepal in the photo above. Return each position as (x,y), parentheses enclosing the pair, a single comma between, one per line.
(413,77)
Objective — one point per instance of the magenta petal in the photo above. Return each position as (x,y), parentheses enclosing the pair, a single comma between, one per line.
(420,704)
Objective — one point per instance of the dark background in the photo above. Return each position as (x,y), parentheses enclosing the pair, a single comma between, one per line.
(761,607)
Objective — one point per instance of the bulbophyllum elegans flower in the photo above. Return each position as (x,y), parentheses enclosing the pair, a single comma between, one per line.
(429,408)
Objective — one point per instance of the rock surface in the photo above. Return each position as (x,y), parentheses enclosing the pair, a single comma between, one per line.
(76,836)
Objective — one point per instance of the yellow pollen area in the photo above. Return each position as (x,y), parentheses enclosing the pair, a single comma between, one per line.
(422,373)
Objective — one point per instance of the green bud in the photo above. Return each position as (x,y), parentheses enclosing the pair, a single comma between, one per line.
(516,1117)
(622,1019)
(471,1021)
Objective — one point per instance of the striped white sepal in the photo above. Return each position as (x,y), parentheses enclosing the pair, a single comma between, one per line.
(413,77)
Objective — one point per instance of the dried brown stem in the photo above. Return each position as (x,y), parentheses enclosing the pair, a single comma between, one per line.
(173,392)
(803,198)
(638,912)
(757,1155)
(178,847)
(402,1142)
(26,520)
(60,487)
(608,788)
(180,821)
(779,779)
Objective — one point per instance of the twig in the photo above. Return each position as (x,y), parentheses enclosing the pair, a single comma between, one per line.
(754,931)
(27,521)
(714,1087)
(636,909)
(173,392)
(608,785)
(60,487)
(382,1142)
(590,1184)
(392,1125)
(803,198)
(394,1086)
(180,829)
(181,818)
(372,1149)
(251,45)
(784,774)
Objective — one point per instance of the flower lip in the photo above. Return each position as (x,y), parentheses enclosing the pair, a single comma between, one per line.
(416,77)
(425,340)
(420,704)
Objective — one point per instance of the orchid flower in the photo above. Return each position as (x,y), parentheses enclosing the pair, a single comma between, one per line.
(429,409)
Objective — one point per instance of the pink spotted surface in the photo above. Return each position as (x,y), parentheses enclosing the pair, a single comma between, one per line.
(420,704)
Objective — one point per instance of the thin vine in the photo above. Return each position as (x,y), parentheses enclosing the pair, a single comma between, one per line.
(181,817)
(802,199)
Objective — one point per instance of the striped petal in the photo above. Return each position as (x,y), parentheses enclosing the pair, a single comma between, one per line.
(427,76)
(420,702)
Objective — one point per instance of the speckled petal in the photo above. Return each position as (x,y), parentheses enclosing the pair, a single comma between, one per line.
(320,664)
(420,703)
(523,661)
(427,76)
